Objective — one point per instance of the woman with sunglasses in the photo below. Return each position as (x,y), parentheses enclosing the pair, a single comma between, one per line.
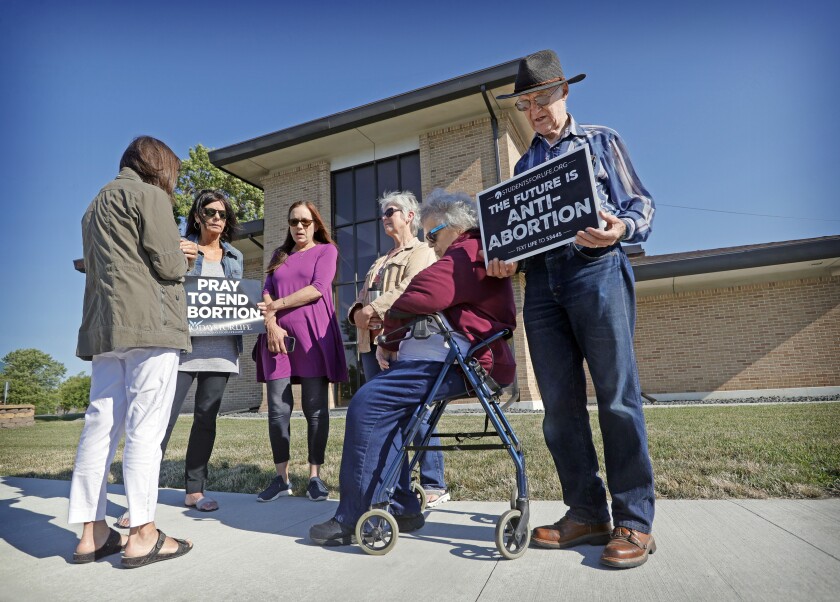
(302,344)
(211,223)
(385,282)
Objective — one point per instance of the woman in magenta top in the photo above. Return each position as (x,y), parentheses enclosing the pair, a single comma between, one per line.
(298,307)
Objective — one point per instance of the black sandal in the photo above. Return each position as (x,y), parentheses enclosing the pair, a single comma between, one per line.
(112,545)
(154,554)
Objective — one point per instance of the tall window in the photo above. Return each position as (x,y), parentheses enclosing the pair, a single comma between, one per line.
(361,239)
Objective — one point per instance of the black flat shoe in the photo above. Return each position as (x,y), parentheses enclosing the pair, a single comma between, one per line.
(331,533)
(410,522)
(155,555)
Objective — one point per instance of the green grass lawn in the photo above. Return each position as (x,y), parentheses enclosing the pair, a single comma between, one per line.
(753,451)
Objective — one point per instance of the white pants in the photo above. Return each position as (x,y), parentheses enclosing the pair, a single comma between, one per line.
(131,392)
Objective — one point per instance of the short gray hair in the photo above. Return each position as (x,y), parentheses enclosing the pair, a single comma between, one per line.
(457,209)
(406,201)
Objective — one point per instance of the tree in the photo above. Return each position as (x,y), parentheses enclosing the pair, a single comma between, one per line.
(197,173)
(75,392)
(33,378)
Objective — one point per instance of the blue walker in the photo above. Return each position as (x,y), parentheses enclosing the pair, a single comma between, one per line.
(376,530)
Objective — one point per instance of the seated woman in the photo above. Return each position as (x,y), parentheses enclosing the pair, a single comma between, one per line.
(476,306)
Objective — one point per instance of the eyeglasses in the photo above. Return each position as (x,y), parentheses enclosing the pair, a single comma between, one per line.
(293,222)
(432,234)
(523,104)
(390,211)
(211,213)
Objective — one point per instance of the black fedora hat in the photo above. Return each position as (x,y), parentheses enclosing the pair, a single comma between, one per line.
(539,71)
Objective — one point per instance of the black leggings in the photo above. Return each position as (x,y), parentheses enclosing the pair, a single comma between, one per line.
(208,399)
(315,406)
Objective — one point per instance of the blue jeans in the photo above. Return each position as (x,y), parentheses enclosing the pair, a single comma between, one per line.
(581,306)
(377,415)
(431,464)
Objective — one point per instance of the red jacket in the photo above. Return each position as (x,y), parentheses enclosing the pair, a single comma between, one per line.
(476,304)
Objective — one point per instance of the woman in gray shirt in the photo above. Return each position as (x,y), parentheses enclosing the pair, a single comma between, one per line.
(210,226)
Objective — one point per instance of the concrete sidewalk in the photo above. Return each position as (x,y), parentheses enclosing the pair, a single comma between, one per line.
(707,550)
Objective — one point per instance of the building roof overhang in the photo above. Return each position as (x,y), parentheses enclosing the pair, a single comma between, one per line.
(736,266)
(374,130)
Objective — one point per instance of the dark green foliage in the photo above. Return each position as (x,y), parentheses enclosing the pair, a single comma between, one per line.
(34,378)
(197,173)
(75,392)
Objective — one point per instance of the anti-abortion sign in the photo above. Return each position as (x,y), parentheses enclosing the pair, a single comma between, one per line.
(220,306)
(539,209)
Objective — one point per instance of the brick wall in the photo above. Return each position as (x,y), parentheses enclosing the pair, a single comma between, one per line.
(528,390)
(458,158)
(511,146)
(462,158)
(777,335)
(762,336)
(16,416)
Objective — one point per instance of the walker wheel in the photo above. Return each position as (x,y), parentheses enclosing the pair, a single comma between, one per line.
(418,490)
(514,495)
(506,541)
(377,532)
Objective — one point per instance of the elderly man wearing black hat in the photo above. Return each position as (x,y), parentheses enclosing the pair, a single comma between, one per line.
(580,305)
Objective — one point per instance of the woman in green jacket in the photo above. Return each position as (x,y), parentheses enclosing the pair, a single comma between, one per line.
(133,328)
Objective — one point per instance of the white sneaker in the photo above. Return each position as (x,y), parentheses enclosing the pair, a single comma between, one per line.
(442,497)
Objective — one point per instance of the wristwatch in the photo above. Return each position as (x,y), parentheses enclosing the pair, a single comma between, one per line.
(625,235)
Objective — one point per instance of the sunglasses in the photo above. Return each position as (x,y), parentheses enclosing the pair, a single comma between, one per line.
(432,235)
(293,222)
(211,213)
(390,211)
(523,104)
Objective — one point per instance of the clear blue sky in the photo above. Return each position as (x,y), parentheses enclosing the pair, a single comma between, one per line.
(723,105)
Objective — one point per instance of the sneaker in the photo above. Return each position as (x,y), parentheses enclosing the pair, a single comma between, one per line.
(277,488)
(442,497)
(317,491)
(331,533)
(410,522)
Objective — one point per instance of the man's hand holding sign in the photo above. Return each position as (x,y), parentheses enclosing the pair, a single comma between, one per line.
(548,206)
(592,238)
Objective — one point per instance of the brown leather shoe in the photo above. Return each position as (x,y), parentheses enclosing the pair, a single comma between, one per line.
(567,532)
(628,548)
